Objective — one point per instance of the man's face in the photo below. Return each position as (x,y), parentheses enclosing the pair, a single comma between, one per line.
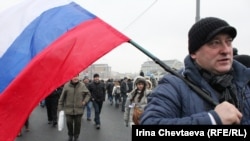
(216,56)
(75,79)
(86,81)
(96,79)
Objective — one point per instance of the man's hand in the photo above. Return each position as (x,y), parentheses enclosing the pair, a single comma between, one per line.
(83,103)
(228,113)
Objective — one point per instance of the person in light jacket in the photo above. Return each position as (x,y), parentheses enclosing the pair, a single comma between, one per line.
(136,98)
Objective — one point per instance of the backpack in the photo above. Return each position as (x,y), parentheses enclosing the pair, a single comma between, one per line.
(117,90)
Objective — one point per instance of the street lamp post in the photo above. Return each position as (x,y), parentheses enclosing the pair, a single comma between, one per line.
(197,18)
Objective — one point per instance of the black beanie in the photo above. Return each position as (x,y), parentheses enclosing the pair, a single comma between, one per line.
(96,75)
(205,30)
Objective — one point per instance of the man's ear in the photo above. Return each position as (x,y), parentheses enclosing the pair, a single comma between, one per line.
(193,56)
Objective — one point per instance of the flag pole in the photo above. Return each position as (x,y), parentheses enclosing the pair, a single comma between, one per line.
(198,90)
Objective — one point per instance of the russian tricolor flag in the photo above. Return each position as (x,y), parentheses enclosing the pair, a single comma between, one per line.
(43,44)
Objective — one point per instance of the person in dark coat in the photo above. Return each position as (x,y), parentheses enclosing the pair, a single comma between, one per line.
(130,85)
(211,67)
(141,73)
(124,91)
(109,88)
(97,90)
(51,102)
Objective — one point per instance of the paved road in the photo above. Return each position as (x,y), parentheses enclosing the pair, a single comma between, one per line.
(112,127)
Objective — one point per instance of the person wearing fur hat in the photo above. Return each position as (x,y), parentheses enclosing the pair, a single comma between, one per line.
(136,100)
(211,67)
(149,85)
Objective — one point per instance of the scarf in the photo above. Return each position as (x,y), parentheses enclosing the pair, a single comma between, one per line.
(223,84)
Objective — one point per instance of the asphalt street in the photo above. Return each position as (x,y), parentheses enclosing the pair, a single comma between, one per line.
(112,127)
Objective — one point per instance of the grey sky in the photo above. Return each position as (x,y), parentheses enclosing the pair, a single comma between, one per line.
(162,29)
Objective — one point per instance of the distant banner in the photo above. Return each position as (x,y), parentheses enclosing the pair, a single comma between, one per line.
(204,132)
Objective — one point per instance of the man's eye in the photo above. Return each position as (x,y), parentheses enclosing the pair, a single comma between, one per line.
(214,42)
(229,41)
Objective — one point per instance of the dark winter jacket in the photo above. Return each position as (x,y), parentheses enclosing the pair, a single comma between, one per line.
(55,94)
(110,86)
(97,90)
(174,102)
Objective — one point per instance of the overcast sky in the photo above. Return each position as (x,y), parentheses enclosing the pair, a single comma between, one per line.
(161,26)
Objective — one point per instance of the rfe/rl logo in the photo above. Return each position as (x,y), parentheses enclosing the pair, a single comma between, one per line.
(226,132)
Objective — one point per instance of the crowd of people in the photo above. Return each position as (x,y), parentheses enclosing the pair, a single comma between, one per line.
(76,96)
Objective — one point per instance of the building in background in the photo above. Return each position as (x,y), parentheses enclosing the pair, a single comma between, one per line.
(104,70)
(149,68)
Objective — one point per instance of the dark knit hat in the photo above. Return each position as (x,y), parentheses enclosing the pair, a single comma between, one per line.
(205,30)
(96,75)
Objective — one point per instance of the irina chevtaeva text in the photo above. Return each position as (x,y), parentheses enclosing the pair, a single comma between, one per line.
(166,132)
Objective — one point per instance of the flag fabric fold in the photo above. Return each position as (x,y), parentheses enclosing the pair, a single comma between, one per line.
(44,43)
